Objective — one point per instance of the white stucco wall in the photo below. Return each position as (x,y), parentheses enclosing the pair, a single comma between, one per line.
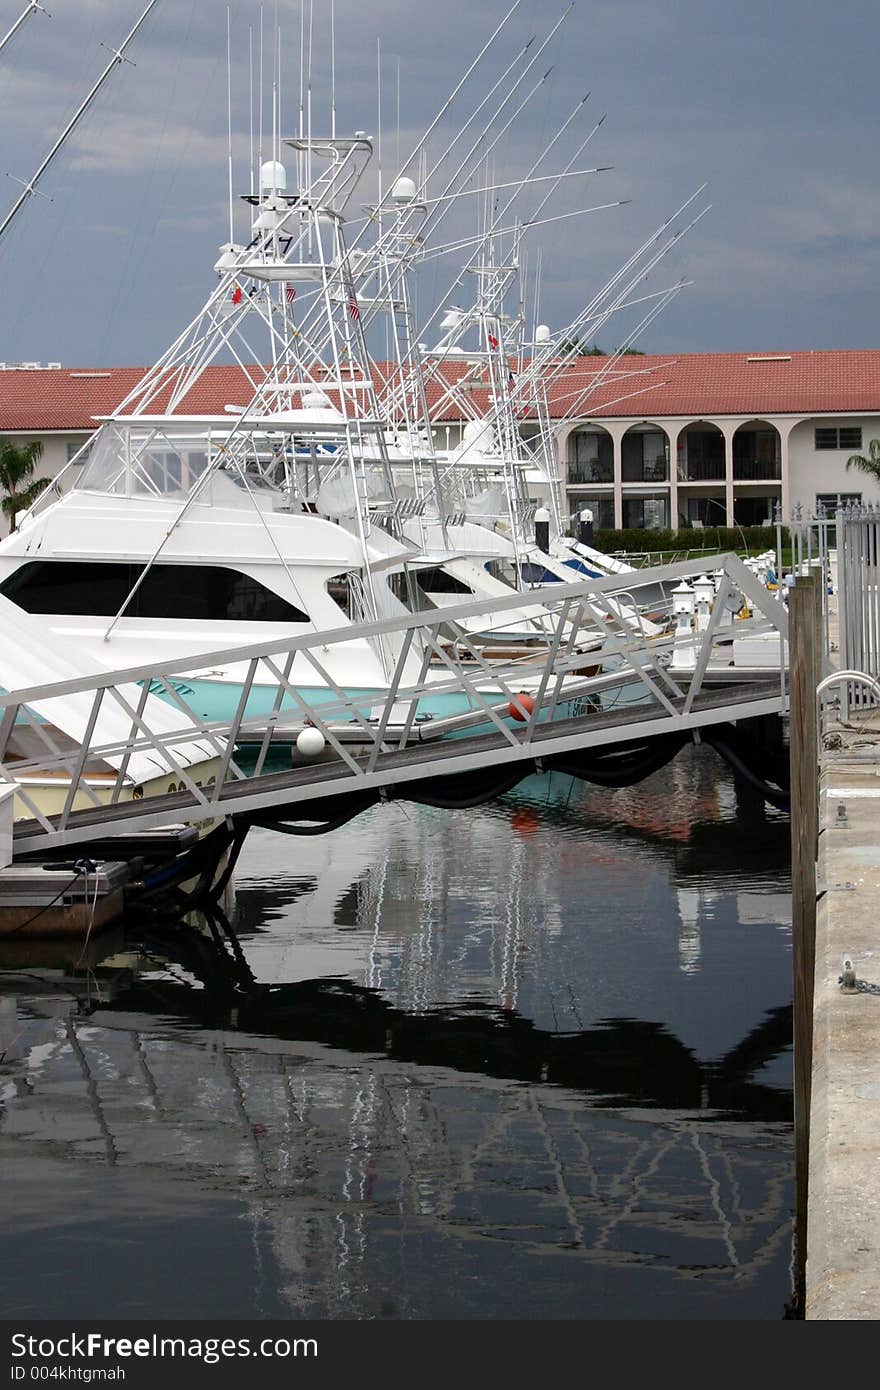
(54,456)
(813,471)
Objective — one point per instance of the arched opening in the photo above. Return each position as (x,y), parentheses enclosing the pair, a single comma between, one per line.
(644,453)
(590,456)
(757,453)
(757,470)
(700,463)
(701,453)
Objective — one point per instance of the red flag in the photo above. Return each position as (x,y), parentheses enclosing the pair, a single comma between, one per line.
(354,310)
(237,295)
(290,293)
(493,342)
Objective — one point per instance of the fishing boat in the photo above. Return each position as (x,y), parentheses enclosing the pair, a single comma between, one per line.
(325,501)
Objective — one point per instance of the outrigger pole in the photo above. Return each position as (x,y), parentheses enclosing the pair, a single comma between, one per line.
(118,57)
(25,14)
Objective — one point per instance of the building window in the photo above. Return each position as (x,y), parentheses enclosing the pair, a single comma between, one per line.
(706,511)
(850,437)
(827,503)
(85,589)
(649,513)
(601,505)
(838,437)
(73,448)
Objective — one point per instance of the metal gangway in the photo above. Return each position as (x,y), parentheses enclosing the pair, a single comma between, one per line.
(606,669)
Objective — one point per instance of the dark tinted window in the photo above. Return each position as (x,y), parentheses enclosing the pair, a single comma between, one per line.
(850,437)
(169,591)
(438,581)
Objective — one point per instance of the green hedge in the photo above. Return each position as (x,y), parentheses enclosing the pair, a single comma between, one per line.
(706,538)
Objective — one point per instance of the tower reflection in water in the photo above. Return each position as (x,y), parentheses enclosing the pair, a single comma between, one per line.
(530,1060)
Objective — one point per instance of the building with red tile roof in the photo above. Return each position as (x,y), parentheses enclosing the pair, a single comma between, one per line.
(694,438)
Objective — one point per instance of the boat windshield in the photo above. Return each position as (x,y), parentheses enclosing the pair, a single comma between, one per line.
(161,461)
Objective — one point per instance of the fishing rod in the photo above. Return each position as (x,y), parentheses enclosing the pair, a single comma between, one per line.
(118,57)
(25,14)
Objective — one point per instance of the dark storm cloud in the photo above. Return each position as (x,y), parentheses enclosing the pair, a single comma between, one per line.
(773,105)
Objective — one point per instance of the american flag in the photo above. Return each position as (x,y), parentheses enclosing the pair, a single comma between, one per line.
(493,342)
(353,309)
(237,295)
(290,293)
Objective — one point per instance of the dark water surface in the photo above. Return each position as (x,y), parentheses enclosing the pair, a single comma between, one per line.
(531,1060)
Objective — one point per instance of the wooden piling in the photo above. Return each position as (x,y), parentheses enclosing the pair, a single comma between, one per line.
(805,664)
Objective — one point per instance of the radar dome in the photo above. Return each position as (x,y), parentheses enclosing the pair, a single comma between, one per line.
(273,177)
(542,333)
(404,190)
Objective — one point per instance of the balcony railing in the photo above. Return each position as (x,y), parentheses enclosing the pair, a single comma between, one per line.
(580,473)
(698,471)
(651,471)
(756,470)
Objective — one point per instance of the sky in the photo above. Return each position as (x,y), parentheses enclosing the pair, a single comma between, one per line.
(772,105)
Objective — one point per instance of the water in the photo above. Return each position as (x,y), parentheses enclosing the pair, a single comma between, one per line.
(531,1060)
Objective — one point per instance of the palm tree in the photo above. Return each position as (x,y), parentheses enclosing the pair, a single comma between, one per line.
(17,465)
(871,464)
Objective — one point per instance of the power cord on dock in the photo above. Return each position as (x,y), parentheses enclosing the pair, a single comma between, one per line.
(81,867)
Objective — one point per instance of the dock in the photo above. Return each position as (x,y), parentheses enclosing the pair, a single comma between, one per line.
(843,1225)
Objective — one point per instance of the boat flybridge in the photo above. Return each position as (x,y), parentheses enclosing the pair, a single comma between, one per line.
(323,500)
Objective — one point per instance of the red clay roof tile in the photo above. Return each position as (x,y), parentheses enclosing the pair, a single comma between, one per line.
(689,384)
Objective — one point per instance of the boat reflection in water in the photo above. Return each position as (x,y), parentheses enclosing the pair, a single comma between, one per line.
(530,1060)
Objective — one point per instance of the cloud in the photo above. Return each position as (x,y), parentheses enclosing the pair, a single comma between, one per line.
(772,104)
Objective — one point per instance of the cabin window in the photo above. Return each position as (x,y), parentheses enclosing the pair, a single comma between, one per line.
(212,592)
(440,581)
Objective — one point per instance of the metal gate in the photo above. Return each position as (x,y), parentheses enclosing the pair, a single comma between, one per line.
(858,580)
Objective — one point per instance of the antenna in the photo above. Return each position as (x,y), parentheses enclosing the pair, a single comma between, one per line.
(229,116)
(251,99)
(275,88)
(333,69)
(25,14)
(260,150)
(309,94)
(379,114)
(300,167)
(118,57)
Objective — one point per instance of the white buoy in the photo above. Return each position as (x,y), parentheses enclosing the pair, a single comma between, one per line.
(310,742)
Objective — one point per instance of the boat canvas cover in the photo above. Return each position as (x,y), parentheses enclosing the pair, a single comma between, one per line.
(31,655)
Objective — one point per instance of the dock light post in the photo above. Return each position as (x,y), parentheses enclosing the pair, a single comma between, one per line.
(704,593)
(683,606)
(585,527)
(542,529)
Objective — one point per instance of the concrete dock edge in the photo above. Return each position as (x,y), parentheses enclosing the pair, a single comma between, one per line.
(843,1228)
